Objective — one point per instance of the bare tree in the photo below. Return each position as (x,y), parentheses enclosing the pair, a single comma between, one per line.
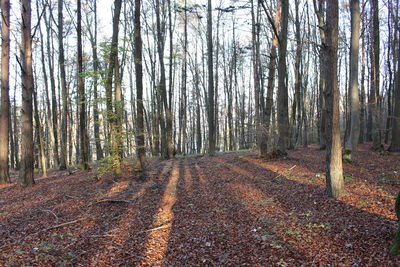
(64,90)
(395,142)
(334,170)
(351,144)
(5,89)
(375,97)
(283,116)
(210,104)
(25,177)
(84,140)
(139,88)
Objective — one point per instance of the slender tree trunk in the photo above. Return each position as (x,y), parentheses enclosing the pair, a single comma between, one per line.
(319,10)
(375,98)
(351,145)
(112,64)
(165,121)
(362,94)
(96,120)
(141,153)
(334,170)
(25,177)
(64,90)
(84,138)
(283,117)
(211,119)
(39,137)
(5,92)
(395,142)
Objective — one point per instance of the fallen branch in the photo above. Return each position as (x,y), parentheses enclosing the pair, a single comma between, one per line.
(66,223)
(51,213)
(159,227)
(291,168)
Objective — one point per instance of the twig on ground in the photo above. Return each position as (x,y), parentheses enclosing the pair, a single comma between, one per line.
(291,168)
(158,228)
(66,223)
(50,211)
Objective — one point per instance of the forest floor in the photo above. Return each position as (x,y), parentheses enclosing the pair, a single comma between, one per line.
(227,210)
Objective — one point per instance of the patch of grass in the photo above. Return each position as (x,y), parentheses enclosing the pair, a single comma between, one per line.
(348,177)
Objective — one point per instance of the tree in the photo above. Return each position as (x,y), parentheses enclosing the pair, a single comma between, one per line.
(283,117)
(322,71)
(375,98)
(395,142)
(334,170)
(141,153)
(25,177)
(96,119)
(5,89)
(112,114)
(210,104)
(84,140)
(64,90)
(351,144)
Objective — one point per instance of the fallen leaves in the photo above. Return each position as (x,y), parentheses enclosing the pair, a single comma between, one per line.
(231,209)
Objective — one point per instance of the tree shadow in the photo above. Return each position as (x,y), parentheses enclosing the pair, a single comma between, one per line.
(358,235)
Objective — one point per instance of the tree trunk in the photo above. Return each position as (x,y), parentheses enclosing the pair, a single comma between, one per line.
(319,10)
(96,121)
(84,140)
(395,142)
(375,98)
(351,144)
(211,119)
(5,92)
(283,118)
(141,153)
(25,177)
(64,90)
(334,171)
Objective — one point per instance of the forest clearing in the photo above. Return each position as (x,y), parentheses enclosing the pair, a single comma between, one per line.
(200,133)
(230,209)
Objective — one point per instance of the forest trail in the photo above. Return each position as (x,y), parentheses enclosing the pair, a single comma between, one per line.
(231,209)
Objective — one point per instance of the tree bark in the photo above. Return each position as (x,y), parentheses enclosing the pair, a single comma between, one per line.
(395,142)
(25,177)
(351,144)
(64,90)
(211,119)
(5,92)
(283,116)
(334,170)
(140,150)
(375,98)
(84,140)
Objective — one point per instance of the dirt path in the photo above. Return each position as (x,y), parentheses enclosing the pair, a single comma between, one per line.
(231,209)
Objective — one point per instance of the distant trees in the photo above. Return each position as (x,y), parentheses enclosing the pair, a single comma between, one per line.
(178,77)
